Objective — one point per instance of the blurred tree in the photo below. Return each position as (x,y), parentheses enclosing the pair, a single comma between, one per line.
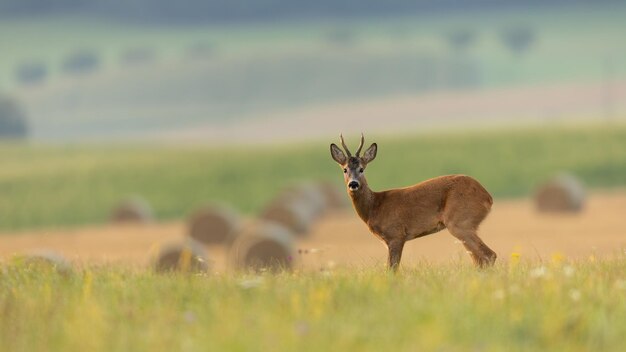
(518,38)
(12,120)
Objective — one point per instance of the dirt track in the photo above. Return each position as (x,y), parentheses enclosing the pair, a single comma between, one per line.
(342,239)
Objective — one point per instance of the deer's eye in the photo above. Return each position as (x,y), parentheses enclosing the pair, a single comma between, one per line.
(345,171)
(361,170)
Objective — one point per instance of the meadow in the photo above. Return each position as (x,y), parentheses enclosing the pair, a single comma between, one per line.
(341,298)
(65,185)
(523,306)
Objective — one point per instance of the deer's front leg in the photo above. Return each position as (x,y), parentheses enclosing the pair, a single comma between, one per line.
(395,254)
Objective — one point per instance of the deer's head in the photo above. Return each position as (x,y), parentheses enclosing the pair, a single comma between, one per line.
(353,166)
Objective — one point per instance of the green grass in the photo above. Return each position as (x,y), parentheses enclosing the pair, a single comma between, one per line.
(558,306)
(43,186)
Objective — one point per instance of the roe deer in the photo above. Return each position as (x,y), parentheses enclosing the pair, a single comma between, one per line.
(456,202)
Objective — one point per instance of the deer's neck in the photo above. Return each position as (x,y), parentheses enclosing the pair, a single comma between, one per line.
(363,201)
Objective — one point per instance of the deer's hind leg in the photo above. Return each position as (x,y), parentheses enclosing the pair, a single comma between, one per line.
(464,225)
(482,255)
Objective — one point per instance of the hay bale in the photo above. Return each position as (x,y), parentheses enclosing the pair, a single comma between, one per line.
(562,194)
(13,121)
(45,260)
(213,225)
(297,207)
(292,212)
(132,210)
(188,256)
(518,38)
(263,245)
(308,193)
(31,72)
(335,197)
(81,62)
(460,39)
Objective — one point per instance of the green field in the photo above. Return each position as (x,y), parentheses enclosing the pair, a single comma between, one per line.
(562,47)
(554,306)
(261,68)
(49,186)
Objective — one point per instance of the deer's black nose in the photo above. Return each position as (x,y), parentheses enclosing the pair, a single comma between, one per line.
(353,185)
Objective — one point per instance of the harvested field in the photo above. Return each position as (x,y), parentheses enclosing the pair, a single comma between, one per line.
(342,239)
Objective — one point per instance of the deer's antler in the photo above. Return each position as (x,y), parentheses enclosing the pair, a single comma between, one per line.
(343,143)
(358,151)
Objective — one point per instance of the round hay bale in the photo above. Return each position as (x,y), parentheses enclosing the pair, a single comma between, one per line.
(562,194)
(292,212)
(188,256)
(13,120)
(213,225)
(262,246)
(45,260)
(335,198)
(133,210)
(81,62)
(31,72)
(308,193)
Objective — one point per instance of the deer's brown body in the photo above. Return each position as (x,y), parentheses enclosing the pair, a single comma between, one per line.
(456,202)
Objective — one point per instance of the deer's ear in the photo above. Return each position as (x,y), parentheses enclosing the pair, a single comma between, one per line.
(337,154)
(370,153)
